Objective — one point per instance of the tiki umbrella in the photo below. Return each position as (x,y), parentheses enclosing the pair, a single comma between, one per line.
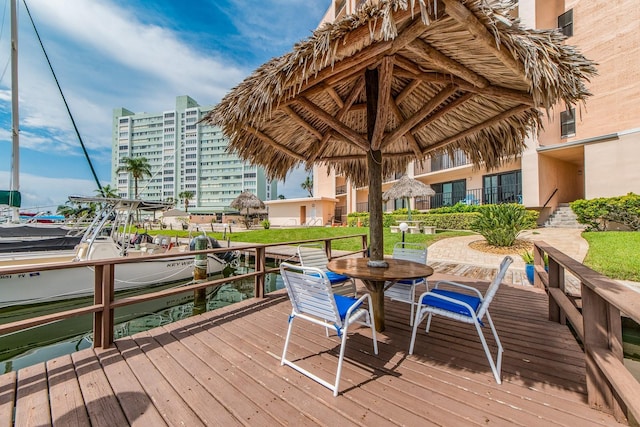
(408,188)
(399,81)
(247,200)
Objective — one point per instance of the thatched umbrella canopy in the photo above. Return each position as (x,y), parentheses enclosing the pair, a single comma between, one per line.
(247,200)
(398,81)
(408,188)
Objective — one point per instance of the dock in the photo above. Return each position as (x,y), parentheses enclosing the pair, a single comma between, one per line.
(223,368)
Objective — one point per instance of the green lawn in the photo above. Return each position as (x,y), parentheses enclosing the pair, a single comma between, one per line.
(615,254)
(274,235)
(296,234)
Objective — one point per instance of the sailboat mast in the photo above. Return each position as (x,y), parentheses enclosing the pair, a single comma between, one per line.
(15,158)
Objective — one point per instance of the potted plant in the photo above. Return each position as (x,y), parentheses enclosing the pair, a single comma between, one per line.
(529,259)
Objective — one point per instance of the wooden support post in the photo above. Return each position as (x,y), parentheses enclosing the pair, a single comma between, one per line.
(374,167)
(97,300)
(602,330)
(200,275)
(258,291)
(365,245)
(327,249)
(103,294)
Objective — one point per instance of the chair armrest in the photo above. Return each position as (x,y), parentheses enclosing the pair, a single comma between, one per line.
(357,303)
(459,285)
(444,298)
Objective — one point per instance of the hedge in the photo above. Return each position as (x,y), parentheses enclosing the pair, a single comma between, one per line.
(597,213)
(446,218)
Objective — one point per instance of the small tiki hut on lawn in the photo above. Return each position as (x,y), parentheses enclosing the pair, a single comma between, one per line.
(247,200)
(398,81)
(407,188)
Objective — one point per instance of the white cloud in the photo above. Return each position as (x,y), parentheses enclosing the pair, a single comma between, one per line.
(40,193)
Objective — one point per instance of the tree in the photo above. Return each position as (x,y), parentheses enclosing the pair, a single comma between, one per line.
(308,185)
(138,167)
(186,195)
(109,192)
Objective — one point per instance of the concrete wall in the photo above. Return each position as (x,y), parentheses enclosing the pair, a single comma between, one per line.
(613,167)
(315,211)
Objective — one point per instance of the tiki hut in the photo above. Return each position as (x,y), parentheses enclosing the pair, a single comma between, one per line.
(247,200)
(407,188)
(398,81)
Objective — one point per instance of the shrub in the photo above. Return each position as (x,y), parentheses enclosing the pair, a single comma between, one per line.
(597,213)
(266,224)
(501,224)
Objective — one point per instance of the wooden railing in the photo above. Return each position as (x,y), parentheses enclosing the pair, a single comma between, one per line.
(105,303)
(610,386)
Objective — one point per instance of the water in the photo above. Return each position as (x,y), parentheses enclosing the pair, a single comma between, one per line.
(42,343)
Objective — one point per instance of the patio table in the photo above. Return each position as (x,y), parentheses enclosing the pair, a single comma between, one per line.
(374,278)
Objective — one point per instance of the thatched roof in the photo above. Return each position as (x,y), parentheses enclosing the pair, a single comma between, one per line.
(453,74)
(247,200)
(408,187)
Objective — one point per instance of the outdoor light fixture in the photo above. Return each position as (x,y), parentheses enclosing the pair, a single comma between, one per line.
(403,227)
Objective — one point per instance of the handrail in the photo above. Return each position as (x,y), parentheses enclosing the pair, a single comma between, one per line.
(550,197)
(610,386)
(104,283)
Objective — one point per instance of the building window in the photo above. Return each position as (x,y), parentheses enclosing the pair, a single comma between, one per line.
(502,188)
(568,123)
(565,23)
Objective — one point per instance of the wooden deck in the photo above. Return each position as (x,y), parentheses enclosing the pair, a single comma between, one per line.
(222,368)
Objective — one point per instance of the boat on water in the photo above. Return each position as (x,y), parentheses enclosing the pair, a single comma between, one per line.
(107,237)
(33,237)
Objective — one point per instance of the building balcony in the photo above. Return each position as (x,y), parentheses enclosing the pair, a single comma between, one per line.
(440,163)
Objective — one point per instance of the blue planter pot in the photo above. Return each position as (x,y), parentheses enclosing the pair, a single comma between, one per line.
(529,270)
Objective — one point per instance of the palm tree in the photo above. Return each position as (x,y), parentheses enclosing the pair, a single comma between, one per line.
(109,192)
(186,195)
(138,167)
(308,185)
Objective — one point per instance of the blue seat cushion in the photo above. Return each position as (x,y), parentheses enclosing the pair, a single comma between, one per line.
(473,301)
(333,277)
(343,303)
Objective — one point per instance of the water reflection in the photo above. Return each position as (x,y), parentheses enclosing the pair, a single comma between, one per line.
(42,343)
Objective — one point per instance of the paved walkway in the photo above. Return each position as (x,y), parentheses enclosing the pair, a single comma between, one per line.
(455,256)
(457,250)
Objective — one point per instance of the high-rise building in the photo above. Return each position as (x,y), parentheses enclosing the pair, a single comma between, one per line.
(584,151)
(185,156)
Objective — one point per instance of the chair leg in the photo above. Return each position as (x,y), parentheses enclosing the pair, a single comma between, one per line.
(370,323)
(343,345)
(286,341)
(497,365)
(416,323)
(426,329)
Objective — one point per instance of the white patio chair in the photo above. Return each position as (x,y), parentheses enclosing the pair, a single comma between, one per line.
(313,255)
(405,290)
(464,308)
(312,298)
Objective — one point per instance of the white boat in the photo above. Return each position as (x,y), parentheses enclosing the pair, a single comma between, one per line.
(105,238)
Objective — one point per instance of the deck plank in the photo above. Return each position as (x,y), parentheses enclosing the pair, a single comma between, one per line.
(99,399)
(67,404)
(166,399)
(32,398)
(223,368)
(136,404)
(7,398)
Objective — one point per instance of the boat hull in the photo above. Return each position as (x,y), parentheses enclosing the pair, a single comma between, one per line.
(51,285)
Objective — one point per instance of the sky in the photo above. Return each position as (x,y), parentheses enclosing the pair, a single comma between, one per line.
(136,54)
